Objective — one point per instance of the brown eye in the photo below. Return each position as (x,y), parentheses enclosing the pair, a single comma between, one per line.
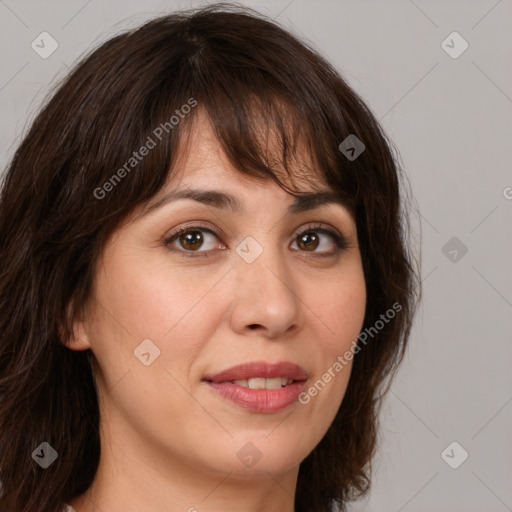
(191,240)
(308,241)
(313,240)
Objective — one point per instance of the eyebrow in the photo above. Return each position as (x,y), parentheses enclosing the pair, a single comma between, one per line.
(303,202)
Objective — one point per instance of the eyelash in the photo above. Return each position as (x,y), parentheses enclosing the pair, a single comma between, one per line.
(339,240)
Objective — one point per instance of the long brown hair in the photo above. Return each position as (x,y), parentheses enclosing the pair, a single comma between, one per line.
(243,70)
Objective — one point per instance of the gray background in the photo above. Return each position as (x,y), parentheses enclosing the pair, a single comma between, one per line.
(451,120)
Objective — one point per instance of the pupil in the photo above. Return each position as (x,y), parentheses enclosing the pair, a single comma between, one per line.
(313,240)
(189,239)
(194,240)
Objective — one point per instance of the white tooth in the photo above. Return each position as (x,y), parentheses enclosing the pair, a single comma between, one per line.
(263,383)
(273,383)
(256,383)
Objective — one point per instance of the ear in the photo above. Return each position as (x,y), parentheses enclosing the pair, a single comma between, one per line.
(78,339)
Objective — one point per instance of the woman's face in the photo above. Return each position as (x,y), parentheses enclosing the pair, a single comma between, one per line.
(169,313)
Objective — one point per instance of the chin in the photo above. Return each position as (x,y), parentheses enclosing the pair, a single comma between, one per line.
(257,453)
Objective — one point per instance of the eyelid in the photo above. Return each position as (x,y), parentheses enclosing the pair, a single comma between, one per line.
(341,241)
(189,226)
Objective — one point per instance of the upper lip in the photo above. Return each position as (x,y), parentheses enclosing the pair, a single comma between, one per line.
(260,369)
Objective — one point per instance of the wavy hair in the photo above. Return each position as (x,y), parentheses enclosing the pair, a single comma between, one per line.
(246,73)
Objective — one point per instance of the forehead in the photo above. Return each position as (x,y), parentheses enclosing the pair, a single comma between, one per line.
(205,175)
(202,157)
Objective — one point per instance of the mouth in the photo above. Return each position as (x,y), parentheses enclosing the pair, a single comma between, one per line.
(256,371)
(259,386)
(261,382)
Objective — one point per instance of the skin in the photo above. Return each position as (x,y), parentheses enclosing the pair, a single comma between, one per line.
(169,442)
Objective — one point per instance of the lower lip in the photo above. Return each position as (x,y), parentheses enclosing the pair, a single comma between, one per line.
(260,400)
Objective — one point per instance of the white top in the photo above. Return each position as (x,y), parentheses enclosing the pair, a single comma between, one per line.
(68,508)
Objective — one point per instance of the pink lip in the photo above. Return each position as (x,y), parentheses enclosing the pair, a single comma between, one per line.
(260,400)
(260,369)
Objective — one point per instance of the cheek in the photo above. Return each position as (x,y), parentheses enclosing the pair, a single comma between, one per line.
(342,309)
(150,298)
(138,299)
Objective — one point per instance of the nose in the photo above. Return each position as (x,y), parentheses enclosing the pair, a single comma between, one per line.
(266,301)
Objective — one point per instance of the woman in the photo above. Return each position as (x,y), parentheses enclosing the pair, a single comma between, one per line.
(206,283)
